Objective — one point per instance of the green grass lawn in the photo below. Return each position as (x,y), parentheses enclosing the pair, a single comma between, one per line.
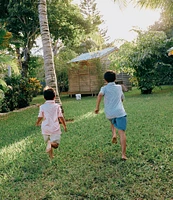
(87,165)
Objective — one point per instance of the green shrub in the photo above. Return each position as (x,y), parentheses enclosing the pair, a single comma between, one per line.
(3,87)
(36,86)
(25,94)
(18,95)
(9,101)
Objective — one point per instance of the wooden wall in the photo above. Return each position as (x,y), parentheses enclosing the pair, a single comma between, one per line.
(83,79)
(124,78)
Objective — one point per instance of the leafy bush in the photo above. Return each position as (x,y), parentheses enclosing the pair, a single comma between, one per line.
(62,81)
(18,95)
(36,86)
(146,59)
(25,93)
(36,67)
(3,85)
(3,88)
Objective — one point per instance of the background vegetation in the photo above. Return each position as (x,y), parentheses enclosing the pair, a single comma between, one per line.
(87,165)
(76,29)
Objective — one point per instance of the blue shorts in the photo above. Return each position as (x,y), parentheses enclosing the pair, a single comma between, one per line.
(120,122)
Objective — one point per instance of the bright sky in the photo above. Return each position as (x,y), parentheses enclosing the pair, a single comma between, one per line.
(119,22)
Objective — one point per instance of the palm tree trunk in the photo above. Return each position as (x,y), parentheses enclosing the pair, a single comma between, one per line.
(50,75)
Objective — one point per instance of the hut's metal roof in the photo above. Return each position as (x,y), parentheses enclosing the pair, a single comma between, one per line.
(93,55)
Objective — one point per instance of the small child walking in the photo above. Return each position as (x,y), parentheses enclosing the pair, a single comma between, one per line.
(113,108)
(50,114)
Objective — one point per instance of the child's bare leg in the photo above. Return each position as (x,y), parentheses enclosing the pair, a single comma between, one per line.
(123,143)
(114,136)
(55,146)
(113,130)
(49,149)
(51,153)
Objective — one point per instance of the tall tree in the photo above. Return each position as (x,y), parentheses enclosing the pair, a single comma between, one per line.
(96,37)
(50,75)
(154,4)
(21,18)
(66,24)
(165,24)
(66,21)
(89,10)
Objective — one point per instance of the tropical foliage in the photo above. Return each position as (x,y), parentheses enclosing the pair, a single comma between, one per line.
(5,37)
(36,87)
(146,58)
(18,92)
(154,4)
(165,24)
(95,37)
(21,19)
(7,62)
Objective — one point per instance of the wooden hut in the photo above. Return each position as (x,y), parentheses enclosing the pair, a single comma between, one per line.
(86,75)
(123,78)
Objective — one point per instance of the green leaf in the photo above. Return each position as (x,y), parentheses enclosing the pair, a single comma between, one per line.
(3,85)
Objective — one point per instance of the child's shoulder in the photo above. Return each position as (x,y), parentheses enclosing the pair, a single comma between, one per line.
(57,105)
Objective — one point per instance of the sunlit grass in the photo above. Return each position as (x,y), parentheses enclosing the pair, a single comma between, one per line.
(87,165)
(88,115)
(9,153)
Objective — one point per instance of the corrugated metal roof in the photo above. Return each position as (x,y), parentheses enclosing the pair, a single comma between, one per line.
(93,55)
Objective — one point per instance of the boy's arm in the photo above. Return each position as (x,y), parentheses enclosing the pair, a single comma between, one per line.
(99,98)
(62,120)
(124,89)
(38,122)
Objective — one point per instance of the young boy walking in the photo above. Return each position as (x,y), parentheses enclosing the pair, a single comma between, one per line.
(50,114)
(113,108)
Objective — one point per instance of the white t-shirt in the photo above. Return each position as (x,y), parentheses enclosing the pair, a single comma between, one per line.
(113,96)
(50,111)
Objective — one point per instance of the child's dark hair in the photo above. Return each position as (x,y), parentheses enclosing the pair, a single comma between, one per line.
(110,76)
(49,93)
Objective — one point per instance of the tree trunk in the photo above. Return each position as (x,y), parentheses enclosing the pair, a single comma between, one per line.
(26,58)
(50,75)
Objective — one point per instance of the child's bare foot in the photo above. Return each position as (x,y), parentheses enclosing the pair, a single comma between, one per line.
(114,140)
(51,156)
(124,158)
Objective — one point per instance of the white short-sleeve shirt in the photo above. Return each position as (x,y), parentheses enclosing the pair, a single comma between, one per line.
(113,96)
(50,111)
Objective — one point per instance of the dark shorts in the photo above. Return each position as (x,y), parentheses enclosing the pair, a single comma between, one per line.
(120,122)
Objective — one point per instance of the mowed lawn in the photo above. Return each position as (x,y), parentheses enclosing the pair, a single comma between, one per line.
(87,165)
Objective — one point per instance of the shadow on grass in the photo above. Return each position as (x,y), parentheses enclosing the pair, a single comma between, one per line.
(17,126)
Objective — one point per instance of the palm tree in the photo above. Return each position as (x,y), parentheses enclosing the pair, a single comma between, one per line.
(153,4)
(50,75)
